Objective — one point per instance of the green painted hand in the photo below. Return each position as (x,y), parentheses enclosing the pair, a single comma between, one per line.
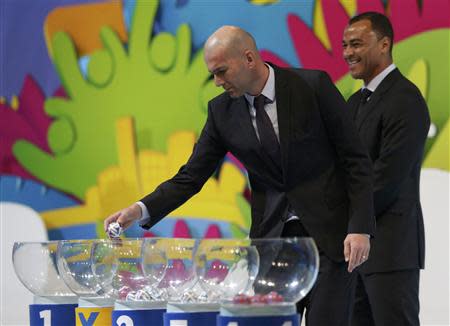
(154,80)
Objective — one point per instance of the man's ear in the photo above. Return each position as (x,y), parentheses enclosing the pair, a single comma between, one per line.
(249,58)
(386,44)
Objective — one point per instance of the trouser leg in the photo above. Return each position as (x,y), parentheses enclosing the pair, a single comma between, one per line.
(394,297)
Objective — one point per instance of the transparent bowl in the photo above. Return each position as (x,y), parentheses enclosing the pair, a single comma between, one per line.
(74,261)
(179,277)
(259,271)
(119,267)
(226,267)
(35,266)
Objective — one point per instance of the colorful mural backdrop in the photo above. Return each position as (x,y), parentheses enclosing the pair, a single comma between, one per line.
(103,100)
(100,101)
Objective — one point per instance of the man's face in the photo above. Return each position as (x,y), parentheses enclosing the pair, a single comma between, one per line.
(363,51)
(229,70)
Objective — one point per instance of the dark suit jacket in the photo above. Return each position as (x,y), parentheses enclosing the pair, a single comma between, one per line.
(394,126)
(326,174)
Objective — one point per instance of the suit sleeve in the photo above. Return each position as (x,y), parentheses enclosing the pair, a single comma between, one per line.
(205,157)
(352,156)
(404,131)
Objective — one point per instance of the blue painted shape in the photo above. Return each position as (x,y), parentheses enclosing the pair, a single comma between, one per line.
(204,17)
(128,10)
(165,227)
(181,3)
(91,320)
(79,231)
(83,63)
(32,194)
(59,314)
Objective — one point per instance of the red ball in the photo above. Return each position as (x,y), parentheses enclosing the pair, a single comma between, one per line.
(241,299)
(258,298)
(274,297)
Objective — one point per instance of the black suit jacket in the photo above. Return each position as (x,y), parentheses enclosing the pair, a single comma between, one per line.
(326,174)
(393,126)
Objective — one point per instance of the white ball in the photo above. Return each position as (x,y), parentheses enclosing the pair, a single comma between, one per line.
(114,230)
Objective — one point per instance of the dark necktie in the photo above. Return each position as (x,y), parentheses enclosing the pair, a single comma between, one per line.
(267,136)
(365,94)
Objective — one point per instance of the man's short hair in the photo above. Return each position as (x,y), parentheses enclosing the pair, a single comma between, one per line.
(380,25)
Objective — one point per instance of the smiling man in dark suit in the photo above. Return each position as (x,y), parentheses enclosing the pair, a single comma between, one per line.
(393,121)
(308,171)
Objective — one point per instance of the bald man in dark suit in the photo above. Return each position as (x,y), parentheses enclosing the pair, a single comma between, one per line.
(308,171)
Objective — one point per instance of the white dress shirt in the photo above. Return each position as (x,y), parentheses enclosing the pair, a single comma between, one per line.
(374,83)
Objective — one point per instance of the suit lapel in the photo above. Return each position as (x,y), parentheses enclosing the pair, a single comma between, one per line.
(240,108)
(377,95)
(353,103)
(283,98)
(294,99)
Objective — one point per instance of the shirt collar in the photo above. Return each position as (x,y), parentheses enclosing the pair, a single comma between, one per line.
(268,89)
(374,83)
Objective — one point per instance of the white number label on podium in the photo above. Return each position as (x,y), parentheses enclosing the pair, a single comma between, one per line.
(124,320)
(178,323)
(47,316)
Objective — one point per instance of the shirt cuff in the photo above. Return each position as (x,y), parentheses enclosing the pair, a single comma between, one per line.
(145,214)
